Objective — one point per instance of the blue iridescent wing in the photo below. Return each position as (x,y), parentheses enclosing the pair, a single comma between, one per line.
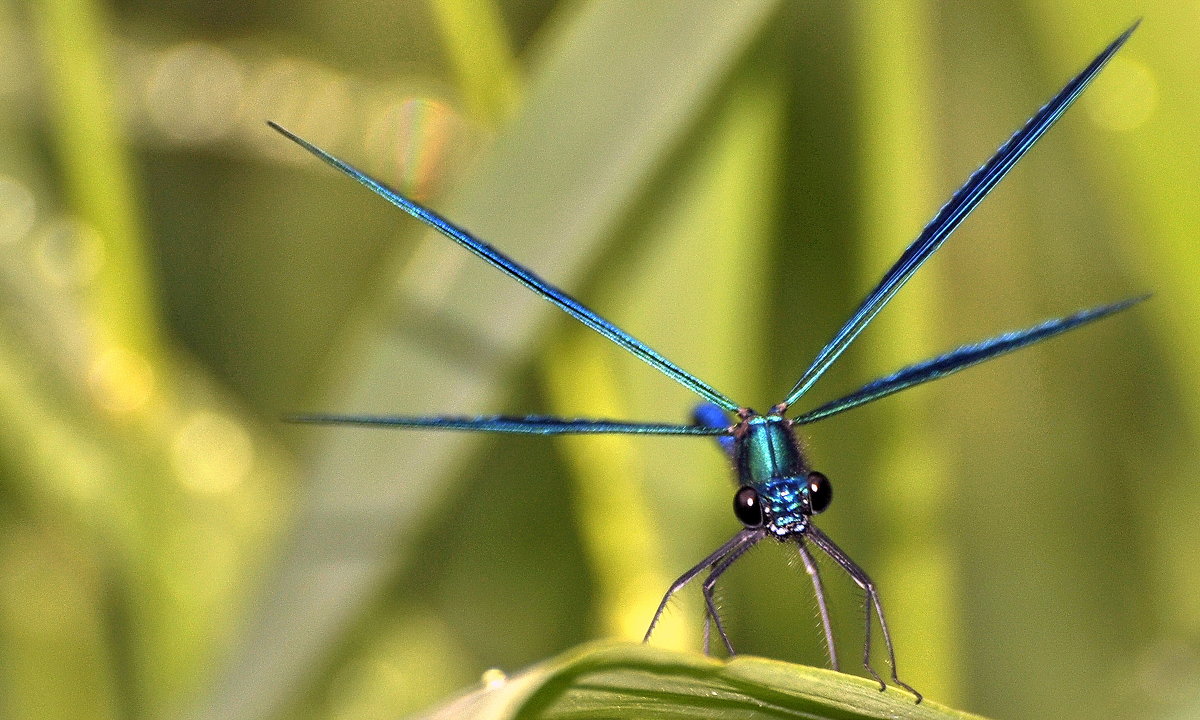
(522,275)
(961,358)
(528,425)
(952,213)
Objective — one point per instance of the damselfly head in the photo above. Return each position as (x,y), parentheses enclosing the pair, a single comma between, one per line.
(783,505)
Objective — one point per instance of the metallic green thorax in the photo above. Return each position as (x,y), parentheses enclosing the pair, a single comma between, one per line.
(768,458)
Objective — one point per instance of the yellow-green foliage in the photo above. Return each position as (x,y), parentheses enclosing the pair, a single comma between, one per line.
(723,179)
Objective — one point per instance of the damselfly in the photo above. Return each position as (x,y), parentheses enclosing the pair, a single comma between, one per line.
(778,490)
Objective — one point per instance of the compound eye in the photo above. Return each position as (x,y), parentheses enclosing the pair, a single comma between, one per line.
(747,507)
(820,492)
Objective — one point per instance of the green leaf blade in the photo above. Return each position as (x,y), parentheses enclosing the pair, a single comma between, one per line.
(606,680)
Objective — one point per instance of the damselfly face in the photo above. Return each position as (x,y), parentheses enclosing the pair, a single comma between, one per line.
(784,504)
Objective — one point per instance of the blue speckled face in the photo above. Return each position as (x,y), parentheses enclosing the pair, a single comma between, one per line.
(786,506)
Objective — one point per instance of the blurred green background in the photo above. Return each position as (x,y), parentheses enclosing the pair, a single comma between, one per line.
(724,180)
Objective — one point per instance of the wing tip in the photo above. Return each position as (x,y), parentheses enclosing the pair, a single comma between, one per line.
(282,130)
(1121,39)
(1125,304)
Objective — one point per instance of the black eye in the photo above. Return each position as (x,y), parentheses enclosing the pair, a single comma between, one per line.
(820,492)
(747,507)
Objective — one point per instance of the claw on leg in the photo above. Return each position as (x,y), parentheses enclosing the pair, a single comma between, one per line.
(873,604)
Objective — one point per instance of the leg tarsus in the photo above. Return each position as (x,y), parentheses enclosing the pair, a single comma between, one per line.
(873,602)
(887,640)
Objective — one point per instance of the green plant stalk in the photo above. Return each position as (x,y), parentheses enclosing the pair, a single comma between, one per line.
(94,162)
(52,627)
(1152,204)
(916,575)
(616,519)
(724,217)
(489,77)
